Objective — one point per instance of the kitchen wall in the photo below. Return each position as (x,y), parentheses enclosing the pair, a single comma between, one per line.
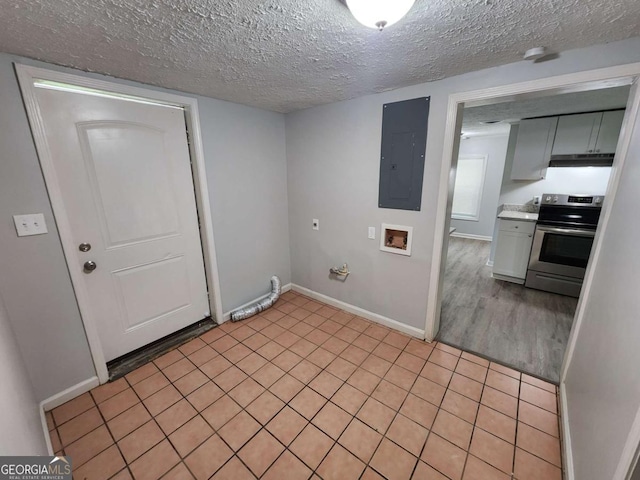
(589,180)
(21,432)
(495,147)
(333,169)
(602,382)
(246,169)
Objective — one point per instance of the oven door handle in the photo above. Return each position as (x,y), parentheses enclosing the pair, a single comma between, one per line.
(567,231)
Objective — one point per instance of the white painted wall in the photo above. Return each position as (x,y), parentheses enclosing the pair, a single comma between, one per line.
(602,381)
(333,169)
(246,167)
(34,279)
(495,147)
(21,432)
(587,180)
(245,153)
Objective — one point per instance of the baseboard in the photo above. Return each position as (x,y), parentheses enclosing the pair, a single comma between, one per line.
(58,399)
(45,429)
(374,317)
(227,316)
(470,236)
(69,394)
(507,278)
(489,263)
(567,455)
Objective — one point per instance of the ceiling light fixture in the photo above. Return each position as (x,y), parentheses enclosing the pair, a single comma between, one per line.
(379,13)
(535,53)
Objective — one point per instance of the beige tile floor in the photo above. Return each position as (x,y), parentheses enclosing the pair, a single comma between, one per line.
(307,391)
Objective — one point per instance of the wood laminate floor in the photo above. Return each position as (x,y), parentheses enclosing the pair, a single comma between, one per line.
(521,327)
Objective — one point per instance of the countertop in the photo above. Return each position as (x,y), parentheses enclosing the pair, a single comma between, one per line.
(512,215)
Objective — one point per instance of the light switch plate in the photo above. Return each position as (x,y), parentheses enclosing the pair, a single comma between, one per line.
(33,224)
(372,233)
(316,224)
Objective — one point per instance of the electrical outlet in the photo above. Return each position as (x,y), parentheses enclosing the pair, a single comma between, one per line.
(316,224)
(33,224)
(372,233)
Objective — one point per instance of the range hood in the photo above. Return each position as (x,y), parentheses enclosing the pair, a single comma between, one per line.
(582,160)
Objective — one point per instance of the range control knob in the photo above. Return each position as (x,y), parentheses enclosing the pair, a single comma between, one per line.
(555,199)
(548,199)
(598,200)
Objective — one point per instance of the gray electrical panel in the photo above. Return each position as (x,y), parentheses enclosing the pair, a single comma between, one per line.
(404,141)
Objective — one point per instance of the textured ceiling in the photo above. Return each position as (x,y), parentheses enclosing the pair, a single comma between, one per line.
(286,55)
(474,118)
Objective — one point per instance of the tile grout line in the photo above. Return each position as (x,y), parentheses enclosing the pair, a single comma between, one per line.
(501,363)
(262,427)
(473,430)
(436,417)
(429,430)
(286,371)
(226,393)
(397,412)
(153,419)
(328,400)
(104,420)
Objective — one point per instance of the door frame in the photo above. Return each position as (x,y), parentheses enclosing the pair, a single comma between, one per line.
(620,75)
(27,75)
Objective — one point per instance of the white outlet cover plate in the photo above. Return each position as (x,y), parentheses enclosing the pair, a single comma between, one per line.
(316,224)
(32,224)
(372,233)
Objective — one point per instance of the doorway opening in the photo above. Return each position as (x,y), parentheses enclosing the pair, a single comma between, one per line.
(128,188)
(501,162)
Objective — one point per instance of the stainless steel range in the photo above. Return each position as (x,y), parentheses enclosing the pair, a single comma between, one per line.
(562,242)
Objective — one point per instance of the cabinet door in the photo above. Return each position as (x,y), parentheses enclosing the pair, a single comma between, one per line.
(512,254)
(609,131)
(533,148)
(577,134)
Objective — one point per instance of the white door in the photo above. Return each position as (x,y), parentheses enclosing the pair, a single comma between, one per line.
(124,171)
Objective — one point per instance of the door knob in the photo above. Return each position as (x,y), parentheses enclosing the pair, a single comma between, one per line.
(90,266)
(84,247)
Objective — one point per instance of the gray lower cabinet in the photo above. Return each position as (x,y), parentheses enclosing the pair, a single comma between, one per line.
(512,250)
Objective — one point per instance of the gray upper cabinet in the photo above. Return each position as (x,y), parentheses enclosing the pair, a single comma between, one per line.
(609,131)
(577,134)
(588,133)
(533,148)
